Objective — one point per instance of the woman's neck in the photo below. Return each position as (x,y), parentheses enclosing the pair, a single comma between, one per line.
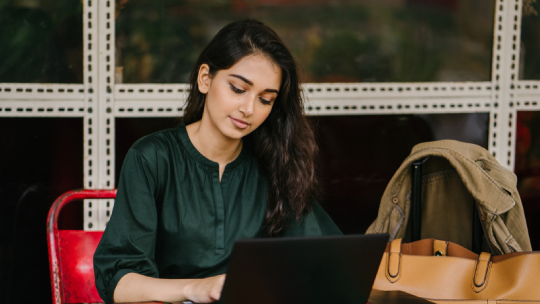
(212,144)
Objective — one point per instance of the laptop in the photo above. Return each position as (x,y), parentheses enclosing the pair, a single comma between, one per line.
(302,270)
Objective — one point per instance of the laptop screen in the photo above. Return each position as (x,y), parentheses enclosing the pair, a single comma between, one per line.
(329,269)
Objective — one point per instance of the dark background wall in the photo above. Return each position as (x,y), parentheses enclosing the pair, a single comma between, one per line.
(41,158)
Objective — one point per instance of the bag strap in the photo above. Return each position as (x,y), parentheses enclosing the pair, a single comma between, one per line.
(440,248)
(481,272)
(394,261)
(416,198)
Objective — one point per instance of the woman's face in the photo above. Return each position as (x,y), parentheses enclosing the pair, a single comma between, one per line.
(239,99)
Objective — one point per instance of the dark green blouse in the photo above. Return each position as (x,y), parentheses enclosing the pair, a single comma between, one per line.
(172,217)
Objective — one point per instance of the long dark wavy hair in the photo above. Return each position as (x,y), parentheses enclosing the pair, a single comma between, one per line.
(284,143)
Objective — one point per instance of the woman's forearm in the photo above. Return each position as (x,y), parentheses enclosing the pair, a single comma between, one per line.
(134,287)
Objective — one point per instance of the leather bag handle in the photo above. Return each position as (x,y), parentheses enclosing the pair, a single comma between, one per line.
(394,261)
(481,272)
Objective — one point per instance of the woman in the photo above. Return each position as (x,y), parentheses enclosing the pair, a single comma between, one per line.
(241,165)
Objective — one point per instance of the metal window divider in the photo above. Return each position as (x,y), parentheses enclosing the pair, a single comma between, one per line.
(99,101)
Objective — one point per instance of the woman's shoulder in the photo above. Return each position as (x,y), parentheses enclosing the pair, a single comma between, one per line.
(159,143)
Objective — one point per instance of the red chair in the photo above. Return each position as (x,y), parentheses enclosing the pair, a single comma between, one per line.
(71,253)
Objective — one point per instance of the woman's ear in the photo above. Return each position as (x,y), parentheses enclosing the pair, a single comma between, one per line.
(203,79)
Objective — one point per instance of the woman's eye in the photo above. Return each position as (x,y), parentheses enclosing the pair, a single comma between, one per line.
(264,101)
(235,89)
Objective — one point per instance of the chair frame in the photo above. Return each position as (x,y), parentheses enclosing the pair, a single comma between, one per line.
(53,235)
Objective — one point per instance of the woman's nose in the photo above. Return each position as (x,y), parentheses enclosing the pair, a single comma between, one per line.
(246,107)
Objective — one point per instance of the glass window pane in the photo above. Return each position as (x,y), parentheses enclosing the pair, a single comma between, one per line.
(358,154)
(530,45)
(334,41)
(527,169)
(129,130)
(40,158)
(41,41)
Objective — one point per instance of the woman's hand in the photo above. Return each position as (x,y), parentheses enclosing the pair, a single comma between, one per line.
(205,290)
(134,287)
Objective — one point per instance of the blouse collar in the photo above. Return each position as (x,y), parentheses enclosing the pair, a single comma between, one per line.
(184,137)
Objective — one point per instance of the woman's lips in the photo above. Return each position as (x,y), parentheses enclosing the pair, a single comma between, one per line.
(239,123)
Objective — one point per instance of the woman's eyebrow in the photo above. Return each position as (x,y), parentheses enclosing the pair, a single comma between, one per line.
(242,78)
(251,83)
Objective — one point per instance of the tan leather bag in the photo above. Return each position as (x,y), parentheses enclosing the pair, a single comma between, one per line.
(444,272)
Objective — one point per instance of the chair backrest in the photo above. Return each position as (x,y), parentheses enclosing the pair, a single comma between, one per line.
(71,253)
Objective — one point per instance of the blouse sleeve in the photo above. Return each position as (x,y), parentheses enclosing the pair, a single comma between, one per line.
(317,222)
(129,240)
